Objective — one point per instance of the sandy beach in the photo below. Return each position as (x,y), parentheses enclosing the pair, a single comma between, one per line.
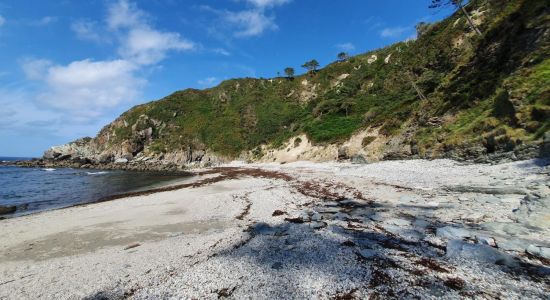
(394,229)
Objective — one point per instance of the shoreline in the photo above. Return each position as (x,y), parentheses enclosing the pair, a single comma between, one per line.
(299,230)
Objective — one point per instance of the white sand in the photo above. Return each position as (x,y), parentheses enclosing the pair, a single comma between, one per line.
(201,242)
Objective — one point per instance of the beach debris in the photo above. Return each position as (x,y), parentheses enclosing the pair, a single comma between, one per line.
(134,245)
(278,213)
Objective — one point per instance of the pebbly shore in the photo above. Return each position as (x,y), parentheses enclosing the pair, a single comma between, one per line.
(436,229)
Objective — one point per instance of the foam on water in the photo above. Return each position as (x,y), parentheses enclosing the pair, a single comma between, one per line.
(97,173)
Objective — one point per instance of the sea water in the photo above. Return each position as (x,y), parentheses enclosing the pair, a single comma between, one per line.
(38,189)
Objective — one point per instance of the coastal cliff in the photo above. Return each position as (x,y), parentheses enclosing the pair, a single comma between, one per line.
(449,93)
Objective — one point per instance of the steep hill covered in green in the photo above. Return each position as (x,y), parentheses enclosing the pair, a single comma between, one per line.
(449,93)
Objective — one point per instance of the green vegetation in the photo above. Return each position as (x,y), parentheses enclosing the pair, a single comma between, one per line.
(491,90)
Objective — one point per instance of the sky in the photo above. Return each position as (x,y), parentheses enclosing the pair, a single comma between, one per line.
(69,67)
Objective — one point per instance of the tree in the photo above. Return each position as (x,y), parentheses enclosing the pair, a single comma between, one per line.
(460,5)
(343,56)
(422,28)
(347,104)
(289,72)
(311,66)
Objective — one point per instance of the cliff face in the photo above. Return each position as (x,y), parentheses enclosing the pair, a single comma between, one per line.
(450,93)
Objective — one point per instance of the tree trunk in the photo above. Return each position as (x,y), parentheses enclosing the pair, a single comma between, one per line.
(416,88)
(474,27)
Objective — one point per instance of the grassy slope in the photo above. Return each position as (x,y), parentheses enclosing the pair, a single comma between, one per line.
(491,88)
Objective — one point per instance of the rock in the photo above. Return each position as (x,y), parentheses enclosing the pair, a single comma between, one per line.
(317,225)
(343,153)
(316,217)
(121,160)
(462,198)
(474,217)
(327,210)
(534,211)
(398,222)
(513,229)
(368,253)
(509,244)
(134,245)
(278,213)
(406,234)
(538,251)
(341,216)
(418,223)
(331,203)
(451,233)
(485,240)
(358,159)
(379,217)
(4,210)
(263,228)
(477,252)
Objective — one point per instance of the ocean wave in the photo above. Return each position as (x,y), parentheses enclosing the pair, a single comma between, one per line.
(49,169)
(97,173)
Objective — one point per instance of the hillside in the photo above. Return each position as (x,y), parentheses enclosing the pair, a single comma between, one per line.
(449,93)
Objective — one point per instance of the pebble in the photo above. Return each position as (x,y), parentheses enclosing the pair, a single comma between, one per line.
(539,251)
(509,244)
(453,232)
(477,252)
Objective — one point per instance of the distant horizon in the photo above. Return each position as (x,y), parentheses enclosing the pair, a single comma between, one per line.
(68,69)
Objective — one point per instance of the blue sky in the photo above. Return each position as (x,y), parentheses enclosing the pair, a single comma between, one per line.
(69,67)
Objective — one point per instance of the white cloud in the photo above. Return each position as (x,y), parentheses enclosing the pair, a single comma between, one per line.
(43,21)
(87,88)
(221,51)
(88,31)
(394,32)
(267,3)
(148,46)
(140,42)
(208,81)
(346,47)
(250,22)
(2,20)
(124,14)
(35,69)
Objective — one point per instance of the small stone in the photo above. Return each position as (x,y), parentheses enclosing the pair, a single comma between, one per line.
(462,198)
(538,251)
(341,216)
(317,225)
(485,240)
(452,232)
(327,210)
(121,160)
(134,245)
(316,217)
(398,222)
(477,252)
(278,213)
(418,223)
(512,245)
(474,217)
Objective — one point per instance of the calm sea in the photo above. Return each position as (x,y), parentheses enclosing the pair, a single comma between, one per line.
(33,189)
